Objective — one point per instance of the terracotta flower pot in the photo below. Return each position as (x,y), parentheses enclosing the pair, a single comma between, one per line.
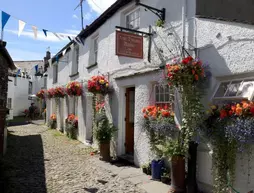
(105,151)
(178,174)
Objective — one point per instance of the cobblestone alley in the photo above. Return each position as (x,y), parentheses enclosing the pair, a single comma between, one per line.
(41,160)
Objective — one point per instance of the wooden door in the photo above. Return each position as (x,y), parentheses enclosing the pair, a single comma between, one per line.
(130,114)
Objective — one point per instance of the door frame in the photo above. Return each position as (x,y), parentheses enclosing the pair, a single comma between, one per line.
(125,117)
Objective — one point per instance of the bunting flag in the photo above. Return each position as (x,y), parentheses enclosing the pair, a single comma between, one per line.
(5,18)
(21,26)
(56,35)
(18,72)
(35,30)
(45,32)
(36,68)
(57,59)
(80,39)
(64,52)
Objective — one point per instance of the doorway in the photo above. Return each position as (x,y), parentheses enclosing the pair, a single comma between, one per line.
(129,121)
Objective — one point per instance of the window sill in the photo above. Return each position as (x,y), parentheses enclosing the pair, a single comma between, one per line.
(91,66)
(73,75)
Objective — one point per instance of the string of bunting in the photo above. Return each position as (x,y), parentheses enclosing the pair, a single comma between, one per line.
(22,24)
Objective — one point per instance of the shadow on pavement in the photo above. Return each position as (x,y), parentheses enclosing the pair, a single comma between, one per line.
(23,165)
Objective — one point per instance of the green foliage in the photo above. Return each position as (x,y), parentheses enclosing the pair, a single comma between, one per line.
(71,131)
(160,23)
(104,131)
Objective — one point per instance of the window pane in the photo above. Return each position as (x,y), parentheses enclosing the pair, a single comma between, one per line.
(162,97)
(233,88)
(246,89)
(156,89)
(157,98)
(222,89)
(167,97)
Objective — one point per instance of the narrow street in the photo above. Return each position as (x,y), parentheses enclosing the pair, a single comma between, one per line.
(40,160)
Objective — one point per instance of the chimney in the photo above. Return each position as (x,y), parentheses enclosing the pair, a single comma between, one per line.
(46,61)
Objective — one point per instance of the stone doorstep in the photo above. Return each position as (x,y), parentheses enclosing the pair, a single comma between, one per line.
(135,176)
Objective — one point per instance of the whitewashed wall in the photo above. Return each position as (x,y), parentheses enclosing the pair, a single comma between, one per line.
(228,48)
(230,54)
(10,94)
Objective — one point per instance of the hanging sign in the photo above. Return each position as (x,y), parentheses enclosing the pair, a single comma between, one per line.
(129,45)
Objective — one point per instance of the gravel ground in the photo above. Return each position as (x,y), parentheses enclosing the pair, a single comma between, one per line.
(41,160)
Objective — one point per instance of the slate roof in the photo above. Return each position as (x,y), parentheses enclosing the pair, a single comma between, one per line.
(28,65)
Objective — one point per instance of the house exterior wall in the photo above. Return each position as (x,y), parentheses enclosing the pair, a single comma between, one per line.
(228,54)
(115,66)
(21,102)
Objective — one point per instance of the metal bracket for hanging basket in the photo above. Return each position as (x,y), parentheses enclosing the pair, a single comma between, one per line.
(160,13)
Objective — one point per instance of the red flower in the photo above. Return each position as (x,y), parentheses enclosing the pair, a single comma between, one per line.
(252,110)
(223,114)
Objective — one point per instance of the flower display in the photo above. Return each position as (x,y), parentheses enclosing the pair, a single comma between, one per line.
(159,120)
(53,117)
(51,93)
(74,88)
(41,94)
(155,112)
(185,71)
(59,92)
(73,120)
(98,84)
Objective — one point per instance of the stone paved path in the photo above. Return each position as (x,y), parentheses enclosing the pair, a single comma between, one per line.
(41,160)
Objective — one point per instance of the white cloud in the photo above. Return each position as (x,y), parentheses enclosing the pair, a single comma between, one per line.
(100,6)
(87,16)
(40,36)
(75,16)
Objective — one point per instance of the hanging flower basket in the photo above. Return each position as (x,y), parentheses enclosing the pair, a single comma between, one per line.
(41,94)
(98,85)
(51,93)
(59,92)
(74,88)
(187,71)
(72,126)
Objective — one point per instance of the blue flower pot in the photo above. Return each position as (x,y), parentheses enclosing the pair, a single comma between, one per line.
(157,169)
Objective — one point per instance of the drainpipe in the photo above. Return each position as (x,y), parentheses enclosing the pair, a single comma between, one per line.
(183,23)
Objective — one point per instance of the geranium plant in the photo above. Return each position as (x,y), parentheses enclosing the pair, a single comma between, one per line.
(74,88)
(60,92)
(72,126)
(51,93)
(52,121)
(160,126)
(98,84)
(230,129)
(41,94)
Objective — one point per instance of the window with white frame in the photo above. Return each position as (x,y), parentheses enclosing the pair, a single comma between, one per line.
(55,73)
(164,95)
(96,49)
(75,60)
(30,87)
(235,90)
(133,19)
(15,80)
(9,103)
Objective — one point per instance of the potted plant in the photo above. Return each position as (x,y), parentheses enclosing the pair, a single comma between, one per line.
(145,168)
(104,132)
(52,121)
(72,126)
(165,177)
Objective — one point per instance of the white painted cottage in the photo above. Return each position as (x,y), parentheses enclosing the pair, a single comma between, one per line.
(225,44)
(24,83)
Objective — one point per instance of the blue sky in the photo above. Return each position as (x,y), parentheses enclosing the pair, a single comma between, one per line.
(54,15)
